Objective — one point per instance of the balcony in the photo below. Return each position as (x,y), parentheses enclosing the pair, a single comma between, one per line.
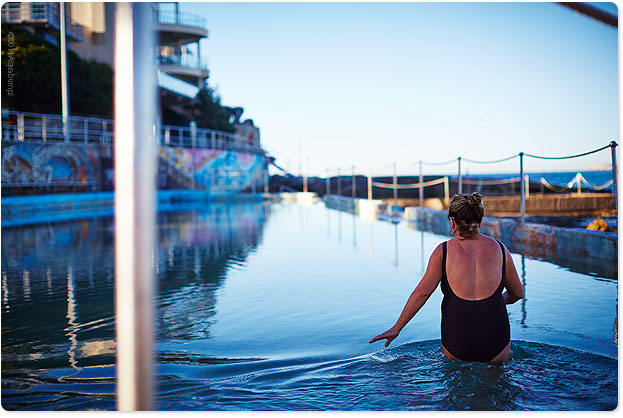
(183,60)
(188,66)
(179,27)
(41,14)
(186,19)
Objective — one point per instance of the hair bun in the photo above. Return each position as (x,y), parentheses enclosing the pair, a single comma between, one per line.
(474,199)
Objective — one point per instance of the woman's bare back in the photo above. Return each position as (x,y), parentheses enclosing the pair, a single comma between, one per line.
(474,267)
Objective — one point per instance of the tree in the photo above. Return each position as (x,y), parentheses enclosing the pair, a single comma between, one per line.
(210,113)
(35,83)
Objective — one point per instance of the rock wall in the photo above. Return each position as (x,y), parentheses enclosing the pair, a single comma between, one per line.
(542,241)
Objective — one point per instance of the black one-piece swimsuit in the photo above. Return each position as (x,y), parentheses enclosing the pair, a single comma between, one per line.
(474,330)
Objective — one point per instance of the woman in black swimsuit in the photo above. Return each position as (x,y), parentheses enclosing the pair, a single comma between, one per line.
(473,270)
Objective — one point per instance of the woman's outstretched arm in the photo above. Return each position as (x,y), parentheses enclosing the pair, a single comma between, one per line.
(418,297)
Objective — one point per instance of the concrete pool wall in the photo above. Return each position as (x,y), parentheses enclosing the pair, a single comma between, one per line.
(33,209)
(543,241)
(539,240)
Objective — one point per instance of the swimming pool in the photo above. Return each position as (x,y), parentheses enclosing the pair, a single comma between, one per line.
(271,306)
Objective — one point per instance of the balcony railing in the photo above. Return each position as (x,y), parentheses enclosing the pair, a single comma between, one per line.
(183,60)
(25,126)
(168,17)
(40,13)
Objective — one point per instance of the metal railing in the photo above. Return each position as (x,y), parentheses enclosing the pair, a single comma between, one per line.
(25,126)
(189,137)
(40,13)
(170,17)
(182,60)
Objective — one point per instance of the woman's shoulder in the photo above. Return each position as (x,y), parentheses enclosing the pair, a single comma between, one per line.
(482,241)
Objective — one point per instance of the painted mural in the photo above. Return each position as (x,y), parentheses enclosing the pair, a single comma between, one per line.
(208,168)
(50,164)
(41,164)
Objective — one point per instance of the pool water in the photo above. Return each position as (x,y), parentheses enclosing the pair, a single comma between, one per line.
(271,306)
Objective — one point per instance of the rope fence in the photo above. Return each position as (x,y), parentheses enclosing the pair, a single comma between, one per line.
(577,180)
(523,179)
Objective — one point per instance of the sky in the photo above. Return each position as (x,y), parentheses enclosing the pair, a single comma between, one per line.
(371,84)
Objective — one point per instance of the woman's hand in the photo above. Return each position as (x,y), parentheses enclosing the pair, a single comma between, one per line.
(389,335)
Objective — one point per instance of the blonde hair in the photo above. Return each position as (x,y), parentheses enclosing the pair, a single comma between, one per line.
(467,212)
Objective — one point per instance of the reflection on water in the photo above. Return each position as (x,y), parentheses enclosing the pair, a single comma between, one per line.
(258,307)
(195,252)
(57,294)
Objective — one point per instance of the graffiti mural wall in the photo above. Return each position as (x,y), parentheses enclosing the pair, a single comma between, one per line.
(50,164)
(207,168)
(90,166)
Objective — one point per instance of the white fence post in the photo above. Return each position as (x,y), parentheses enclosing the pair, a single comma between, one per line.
(421,186)
(370,183)
(522,188)
(395,186)
(460,183)
(613,146)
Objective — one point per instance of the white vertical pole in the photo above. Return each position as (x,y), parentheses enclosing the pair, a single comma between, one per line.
(369,183)
(460,186)
(522,188)
(328,187)
(135,106)
(446,191)
(613,146)
(339,183)
(395,183)
(44,129)
(578,180)
(193,140)
(64,80)
(354,184)
(421,186)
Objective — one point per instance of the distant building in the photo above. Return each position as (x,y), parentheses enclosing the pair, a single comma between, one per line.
(190,156)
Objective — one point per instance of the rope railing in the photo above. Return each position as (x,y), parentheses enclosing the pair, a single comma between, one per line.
(577,180)
(493,161)
(524,186)
(410,185)
(571,156)
(441,163)
(492,182)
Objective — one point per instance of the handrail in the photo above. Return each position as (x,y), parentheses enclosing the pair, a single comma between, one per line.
(40,12)
(27,126)
(181,18)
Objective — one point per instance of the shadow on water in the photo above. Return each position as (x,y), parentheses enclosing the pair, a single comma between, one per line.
(413,376)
